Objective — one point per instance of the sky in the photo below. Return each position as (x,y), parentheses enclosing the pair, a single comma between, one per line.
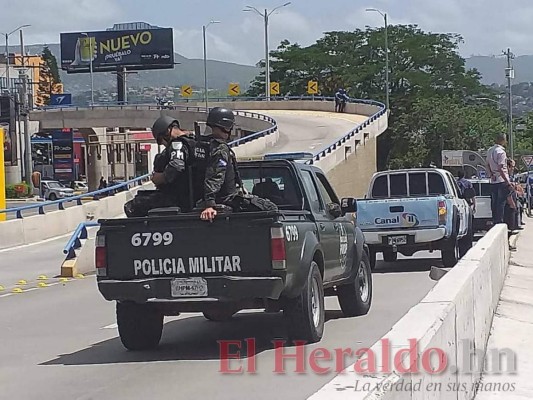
(487,26)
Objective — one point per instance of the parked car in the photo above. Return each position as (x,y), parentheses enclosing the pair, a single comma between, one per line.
(53,190)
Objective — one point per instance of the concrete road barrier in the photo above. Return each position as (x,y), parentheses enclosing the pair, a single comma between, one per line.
(452,323)
(35,228)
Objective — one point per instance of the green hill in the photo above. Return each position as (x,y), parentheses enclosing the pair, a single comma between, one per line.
(188,72)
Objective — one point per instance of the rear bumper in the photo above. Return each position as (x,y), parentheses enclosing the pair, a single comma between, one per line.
(414,236)
(228,289)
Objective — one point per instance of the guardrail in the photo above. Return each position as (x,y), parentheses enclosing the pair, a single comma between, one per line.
(75,240)
(317,156)
(255,135)
(339,142)
(111,190)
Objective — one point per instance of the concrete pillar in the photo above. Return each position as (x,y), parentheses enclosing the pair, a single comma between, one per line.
(13,174)
(97,164)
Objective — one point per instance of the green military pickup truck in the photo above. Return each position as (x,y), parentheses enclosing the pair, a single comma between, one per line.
(285,260)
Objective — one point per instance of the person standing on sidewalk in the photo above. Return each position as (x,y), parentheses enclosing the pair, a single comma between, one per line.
(499,178)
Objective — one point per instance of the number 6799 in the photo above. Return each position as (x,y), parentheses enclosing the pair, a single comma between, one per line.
(152,239)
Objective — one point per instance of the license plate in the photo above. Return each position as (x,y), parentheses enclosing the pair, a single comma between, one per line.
(188,287)
(395,240)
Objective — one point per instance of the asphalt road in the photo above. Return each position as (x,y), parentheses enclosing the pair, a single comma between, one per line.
(60,342)
(310,131)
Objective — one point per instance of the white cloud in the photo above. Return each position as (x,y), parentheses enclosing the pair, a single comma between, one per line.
(49,19)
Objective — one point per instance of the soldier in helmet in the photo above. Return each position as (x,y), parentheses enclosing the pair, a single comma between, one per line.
(173,167)
(173,175)
(222,183)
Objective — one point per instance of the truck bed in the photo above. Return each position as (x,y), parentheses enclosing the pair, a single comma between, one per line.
(185,246)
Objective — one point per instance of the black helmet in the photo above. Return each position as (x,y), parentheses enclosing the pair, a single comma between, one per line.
(221,117)
(161,125)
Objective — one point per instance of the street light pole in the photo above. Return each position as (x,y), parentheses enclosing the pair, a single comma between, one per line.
(206,96)
(90,66)
(387,94)
(265,15)
(509,72)
(6,36)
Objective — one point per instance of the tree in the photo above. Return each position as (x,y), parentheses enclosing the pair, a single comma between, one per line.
(425,71)
(49,79)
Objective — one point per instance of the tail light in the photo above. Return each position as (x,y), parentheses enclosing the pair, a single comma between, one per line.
(100,256)
(277,245)
(442,212)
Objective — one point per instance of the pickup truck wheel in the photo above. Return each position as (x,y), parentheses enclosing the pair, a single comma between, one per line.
(139,326)
(305,315)
(355,298)
(450,253)
(390,256)
(52,197)
(219,315)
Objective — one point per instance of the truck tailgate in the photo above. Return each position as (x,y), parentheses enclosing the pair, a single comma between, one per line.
(401,213)
(176,247)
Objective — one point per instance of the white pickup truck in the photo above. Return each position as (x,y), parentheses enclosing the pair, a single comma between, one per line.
(410,210)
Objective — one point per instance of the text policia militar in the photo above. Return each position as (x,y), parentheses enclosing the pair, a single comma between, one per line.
(190,265)
(239,356)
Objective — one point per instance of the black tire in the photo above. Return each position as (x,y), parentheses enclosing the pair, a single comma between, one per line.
(466,242)
(52,197)
(450,253)
(390,256)
(356,298)
(219,315)
(304,317)
(372,258)
(139,325)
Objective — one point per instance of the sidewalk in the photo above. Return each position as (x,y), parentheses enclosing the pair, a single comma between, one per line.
(512,327)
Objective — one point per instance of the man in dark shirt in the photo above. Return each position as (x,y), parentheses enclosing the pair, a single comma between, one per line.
(221,177)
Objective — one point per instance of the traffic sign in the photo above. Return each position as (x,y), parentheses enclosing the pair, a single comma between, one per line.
(528,160)
(61,100)
(274,88)
(186,90)
(312,87)
(234,89)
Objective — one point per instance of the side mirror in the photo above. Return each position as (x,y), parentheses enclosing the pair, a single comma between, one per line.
(348,205)
(334,210)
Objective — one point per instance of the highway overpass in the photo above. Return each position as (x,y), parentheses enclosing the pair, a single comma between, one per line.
(60,340)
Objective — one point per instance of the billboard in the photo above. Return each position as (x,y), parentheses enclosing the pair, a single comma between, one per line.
(63,154)
(452,158)
(134,49)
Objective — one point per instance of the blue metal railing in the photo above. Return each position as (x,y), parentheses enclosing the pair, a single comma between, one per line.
(78,199)
(359,127)
(317,156)
(75,240)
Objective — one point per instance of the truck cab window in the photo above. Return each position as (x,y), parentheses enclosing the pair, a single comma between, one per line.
(314,199)
(398,185)
(436,184)
(380,188)
(325,189)
(417,184)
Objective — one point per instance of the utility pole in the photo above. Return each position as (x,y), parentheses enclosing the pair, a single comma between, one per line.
(509,73)
(265,17)
(27,140)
